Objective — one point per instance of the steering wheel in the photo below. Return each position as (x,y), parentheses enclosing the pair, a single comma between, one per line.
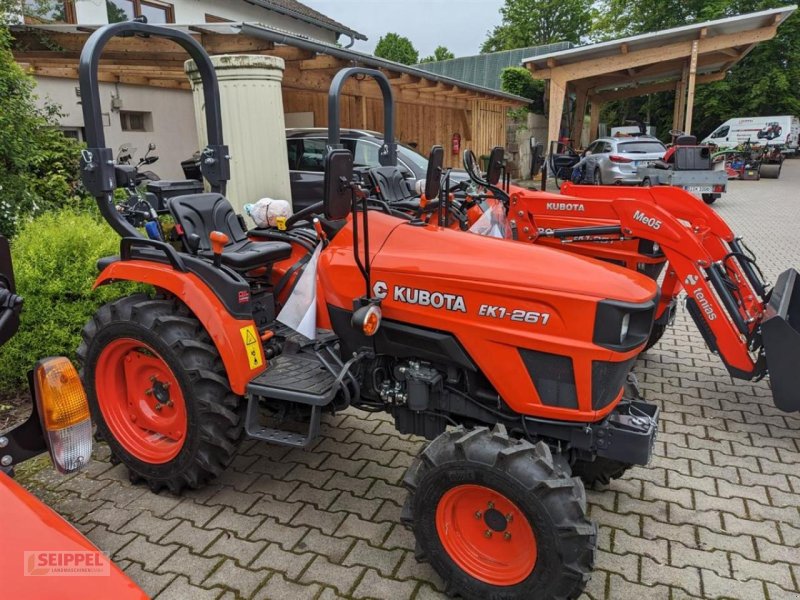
(301,215)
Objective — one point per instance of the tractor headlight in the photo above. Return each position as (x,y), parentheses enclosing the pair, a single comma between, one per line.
(367,319)
(626,323)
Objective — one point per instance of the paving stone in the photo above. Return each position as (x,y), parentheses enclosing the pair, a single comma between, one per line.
(353,526)
(713,560)
(356,486)
(149,554)
(400,537)
(275,558)
(229,574)
(151,583)
(150,526)
(199,514)
(110,515)
(723,587)
(181,589)
(343,579)
(658,550)
(321,499)
(195,538)
(333,548)
(241,525)
(324,521)
(385,561)
(686,578)
(157,504)
(625,565)
(228,497)
(620,589)
(282,510)
(277,488)
(109,541)
(195,567)
(242,551)
(778,573)
(272,531)
(364,507)
(374,586)
(278,588)
(410,568)
(741,544)
(765,529)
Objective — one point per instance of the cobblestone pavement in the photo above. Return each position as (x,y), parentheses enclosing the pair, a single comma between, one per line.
(715,515)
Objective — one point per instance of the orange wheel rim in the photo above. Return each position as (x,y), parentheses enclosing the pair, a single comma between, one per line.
(486,535)
(141,401)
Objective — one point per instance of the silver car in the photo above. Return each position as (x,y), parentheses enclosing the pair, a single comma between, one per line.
(614,159)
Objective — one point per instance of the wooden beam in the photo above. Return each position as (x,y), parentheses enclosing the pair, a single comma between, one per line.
(558,91)
(322,62)
(651,88)
(623,48)
(703,33)
(580,112)
(639,58)
(690,99)
(594,119)
(732,52)
(290,53)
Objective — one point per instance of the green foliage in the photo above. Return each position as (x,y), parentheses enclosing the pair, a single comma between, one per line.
(519,81)
(55,258)
(441,53)
(536,22)
(397,48)
(38,164)
(765,82)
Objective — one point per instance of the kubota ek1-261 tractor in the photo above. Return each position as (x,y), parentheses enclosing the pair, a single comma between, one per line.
(752,326)
(513,358)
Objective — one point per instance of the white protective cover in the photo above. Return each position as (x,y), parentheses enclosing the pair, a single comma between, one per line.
(268,212)
(493,222)
(300,310)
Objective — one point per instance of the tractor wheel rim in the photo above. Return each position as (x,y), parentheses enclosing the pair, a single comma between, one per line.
(486,535)
(141,401)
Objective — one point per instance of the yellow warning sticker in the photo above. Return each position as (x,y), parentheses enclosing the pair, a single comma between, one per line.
(252,346)
(281,223)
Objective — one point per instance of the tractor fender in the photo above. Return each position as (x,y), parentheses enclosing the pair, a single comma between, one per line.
(236,340)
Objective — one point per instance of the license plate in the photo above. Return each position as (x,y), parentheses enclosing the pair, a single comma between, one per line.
(700,189)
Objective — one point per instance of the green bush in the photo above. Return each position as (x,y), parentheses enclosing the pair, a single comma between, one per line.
(519,81)
(55,258)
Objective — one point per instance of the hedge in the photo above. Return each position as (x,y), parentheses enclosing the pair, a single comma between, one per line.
(55,258)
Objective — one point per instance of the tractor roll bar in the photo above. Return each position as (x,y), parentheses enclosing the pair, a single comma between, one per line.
(97,161)
(388,152)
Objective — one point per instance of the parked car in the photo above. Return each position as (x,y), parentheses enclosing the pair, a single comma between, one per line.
(613,160)
(306,150)
(43,556)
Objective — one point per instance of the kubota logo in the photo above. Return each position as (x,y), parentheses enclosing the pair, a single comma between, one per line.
(645,220)
(566,206)
(409,295)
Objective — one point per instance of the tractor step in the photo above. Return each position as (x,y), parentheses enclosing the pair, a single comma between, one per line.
(280,437)
(301,378)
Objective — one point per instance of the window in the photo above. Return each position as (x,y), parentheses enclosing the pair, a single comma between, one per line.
(642,147)
(216,19)
(136,121)
(306,155)
(49,11)
(154,10)
(721,132)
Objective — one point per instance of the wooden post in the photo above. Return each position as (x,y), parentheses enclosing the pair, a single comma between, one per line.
(680,99)
(558,91)
(361,111)
(594,119)
(692,80)
(580,112)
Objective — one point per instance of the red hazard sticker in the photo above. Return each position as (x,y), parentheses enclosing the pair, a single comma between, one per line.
(244,297)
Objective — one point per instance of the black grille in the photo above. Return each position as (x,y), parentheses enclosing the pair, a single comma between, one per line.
(552,376)
(607,380)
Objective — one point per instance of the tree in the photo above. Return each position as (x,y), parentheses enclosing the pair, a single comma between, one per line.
(519,81)
(441,53)
(537,22)
(38,164)
(397,48)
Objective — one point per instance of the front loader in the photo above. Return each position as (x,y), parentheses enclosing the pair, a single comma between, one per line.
(513,359)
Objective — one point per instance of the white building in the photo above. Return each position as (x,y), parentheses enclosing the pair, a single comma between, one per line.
(139,115)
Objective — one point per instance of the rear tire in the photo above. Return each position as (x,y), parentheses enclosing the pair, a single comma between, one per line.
(658,331)
(461,485)
(203,418)
(709,198)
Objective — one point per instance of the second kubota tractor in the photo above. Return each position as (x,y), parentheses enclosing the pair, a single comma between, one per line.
(513,359)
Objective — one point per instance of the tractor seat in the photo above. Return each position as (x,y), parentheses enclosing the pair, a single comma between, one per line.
(201,214)
(393,186)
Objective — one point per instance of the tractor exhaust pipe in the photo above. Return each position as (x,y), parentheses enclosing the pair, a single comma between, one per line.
(780,336)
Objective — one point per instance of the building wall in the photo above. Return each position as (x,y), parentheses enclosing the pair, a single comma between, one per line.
(194,12)
(481,128)
(173,125)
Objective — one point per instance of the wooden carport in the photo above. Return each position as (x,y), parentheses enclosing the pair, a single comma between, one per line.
(430,108)
(674,59)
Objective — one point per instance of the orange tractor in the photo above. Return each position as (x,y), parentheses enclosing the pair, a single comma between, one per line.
(514,359)
(752,326)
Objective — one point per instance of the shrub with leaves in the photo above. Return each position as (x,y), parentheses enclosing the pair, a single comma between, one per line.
(55,264)
(38,164)
(519,81)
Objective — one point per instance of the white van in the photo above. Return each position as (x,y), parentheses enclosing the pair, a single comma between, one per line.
(783,130)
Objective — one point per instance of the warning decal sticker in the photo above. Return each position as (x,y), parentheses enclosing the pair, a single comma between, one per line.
(252,346)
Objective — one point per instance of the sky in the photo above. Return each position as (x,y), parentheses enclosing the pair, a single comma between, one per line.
(460,25)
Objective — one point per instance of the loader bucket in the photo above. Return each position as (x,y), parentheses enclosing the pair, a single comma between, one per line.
(780,335)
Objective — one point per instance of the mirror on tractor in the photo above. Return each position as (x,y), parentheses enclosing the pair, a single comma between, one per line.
(496,164)
(433,176)
(338,175)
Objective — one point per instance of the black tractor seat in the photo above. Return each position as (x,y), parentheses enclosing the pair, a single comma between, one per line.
(392,185)
(200,214)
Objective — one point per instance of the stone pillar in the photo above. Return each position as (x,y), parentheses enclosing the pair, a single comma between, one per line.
(253,125)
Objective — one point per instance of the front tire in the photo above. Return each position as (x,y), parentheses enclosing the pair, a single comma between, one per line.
(158,392)
(499,518)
